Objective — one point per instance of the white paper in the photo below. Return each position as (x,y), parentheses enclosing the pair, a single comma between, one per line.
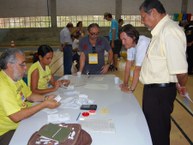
(50,111)
(58,118)
(188,97)
(75,102)
(96,86)
(98,125)
(98,78)
(57,98)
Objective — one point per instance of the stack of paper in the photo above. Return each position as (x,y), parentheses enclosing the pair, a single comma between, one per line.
(98,125)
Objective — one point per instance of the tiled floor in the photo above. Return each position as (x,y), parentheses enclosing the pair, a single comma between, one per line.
(182,124)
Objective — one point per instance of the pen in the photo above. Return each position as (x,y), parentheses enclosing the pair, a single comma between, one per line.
(56,132)
(78,116)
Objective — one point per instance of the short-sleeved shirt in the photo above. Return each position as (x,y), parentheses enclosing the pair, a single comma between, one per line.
(85,46)
(75,44)
(12,99)
(166,55)
(114,25)
(65,36)
(131,53)
(138,52)
(44,75)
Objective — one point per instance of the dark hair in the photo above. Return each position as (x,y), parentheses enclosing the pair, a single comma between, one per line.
(42,51)
(107,14)
(9,56)
(92,25)
(69,25)
(147,5)
(79,22)
(131,32)
(120,20)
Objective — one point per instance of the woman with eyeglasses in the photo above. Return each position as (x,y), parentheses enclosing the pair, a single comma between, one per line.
(39,74)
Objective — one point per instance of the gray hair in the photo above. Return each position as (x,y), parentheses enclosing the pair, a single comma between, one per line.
(147,5)
(9,56)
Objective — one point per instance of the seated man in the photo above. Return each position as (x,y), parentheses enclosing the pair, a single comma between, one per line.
(14,93)
(92,52)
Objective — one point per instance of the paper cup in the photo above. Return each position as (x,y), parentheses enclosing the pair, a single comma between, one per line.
(116,79)
(78,73)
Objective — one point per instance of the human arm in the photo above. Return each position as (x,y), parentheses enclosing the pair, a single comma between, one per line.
(63,82)
(105,68)
(27,112)
(176,46)
(113,38)
(34,84)
(126,75)
(182,80)
(39,98)
(135,78)
(82,61)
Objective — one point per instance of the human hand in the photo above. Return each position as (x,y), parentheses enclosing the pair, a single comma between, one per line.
(112,45)
(104,69)
(125,88)
(123,85)
(49,97)
(181,89)
(62,47)
(56,85)
(64,82)
(51,103)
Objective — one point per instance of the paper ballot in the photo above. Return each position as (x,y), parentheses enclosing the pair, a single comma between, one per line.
(58,98)
(188,97)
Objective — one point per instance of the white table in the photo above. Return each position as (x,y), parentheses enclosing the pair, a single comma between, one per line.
(123,109)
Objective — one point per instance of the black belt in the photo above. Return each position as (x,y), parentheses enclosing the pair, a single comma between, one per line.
(162,85)
(68,45)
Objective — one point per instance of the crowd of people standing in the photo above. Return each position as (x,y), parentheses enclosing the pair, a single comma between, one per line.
(154,62)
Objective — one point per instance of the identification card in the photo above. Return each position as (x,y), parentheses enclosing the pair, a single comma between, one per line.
(93,58)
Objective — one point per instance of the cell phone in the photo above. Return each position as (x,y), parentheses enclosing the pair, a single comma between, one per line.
(88,107)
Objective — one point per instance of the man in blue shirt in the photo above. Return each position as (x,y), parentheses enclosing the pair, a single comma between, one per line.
(114,38)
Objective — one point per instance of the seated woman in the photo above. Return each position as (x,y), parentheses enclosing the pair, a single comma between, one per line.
(39,74)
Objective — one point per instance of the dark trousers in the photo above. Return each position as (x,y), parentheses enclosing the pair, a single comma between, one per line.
(190,59)
(67,57)
(157,108)
(6,138)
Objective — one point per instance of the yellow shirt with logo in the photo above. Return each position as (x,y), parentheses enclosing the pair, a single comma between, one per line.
(12,99)
(44,75)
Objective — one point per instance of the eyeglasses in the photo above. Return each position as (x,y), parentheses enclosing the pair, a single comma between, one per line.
(94,33)
(22,64)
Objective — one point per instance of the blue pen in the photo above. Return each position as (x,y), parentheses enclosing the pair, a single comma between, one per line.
(78,116)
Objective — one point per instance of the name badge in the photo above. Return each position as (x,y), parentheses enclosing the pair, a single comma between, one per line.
(93,58)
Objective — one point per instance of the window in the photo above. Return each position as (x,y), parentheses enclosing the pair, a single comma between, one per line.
(45,21)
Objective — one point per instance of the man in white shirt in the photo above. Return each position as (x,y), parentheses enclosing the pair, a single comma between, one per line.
(136,46)
(66,47)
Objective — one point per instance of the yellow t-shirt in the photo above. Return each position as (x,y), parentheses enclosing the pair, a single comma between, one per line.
(12,99)
(44,75)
